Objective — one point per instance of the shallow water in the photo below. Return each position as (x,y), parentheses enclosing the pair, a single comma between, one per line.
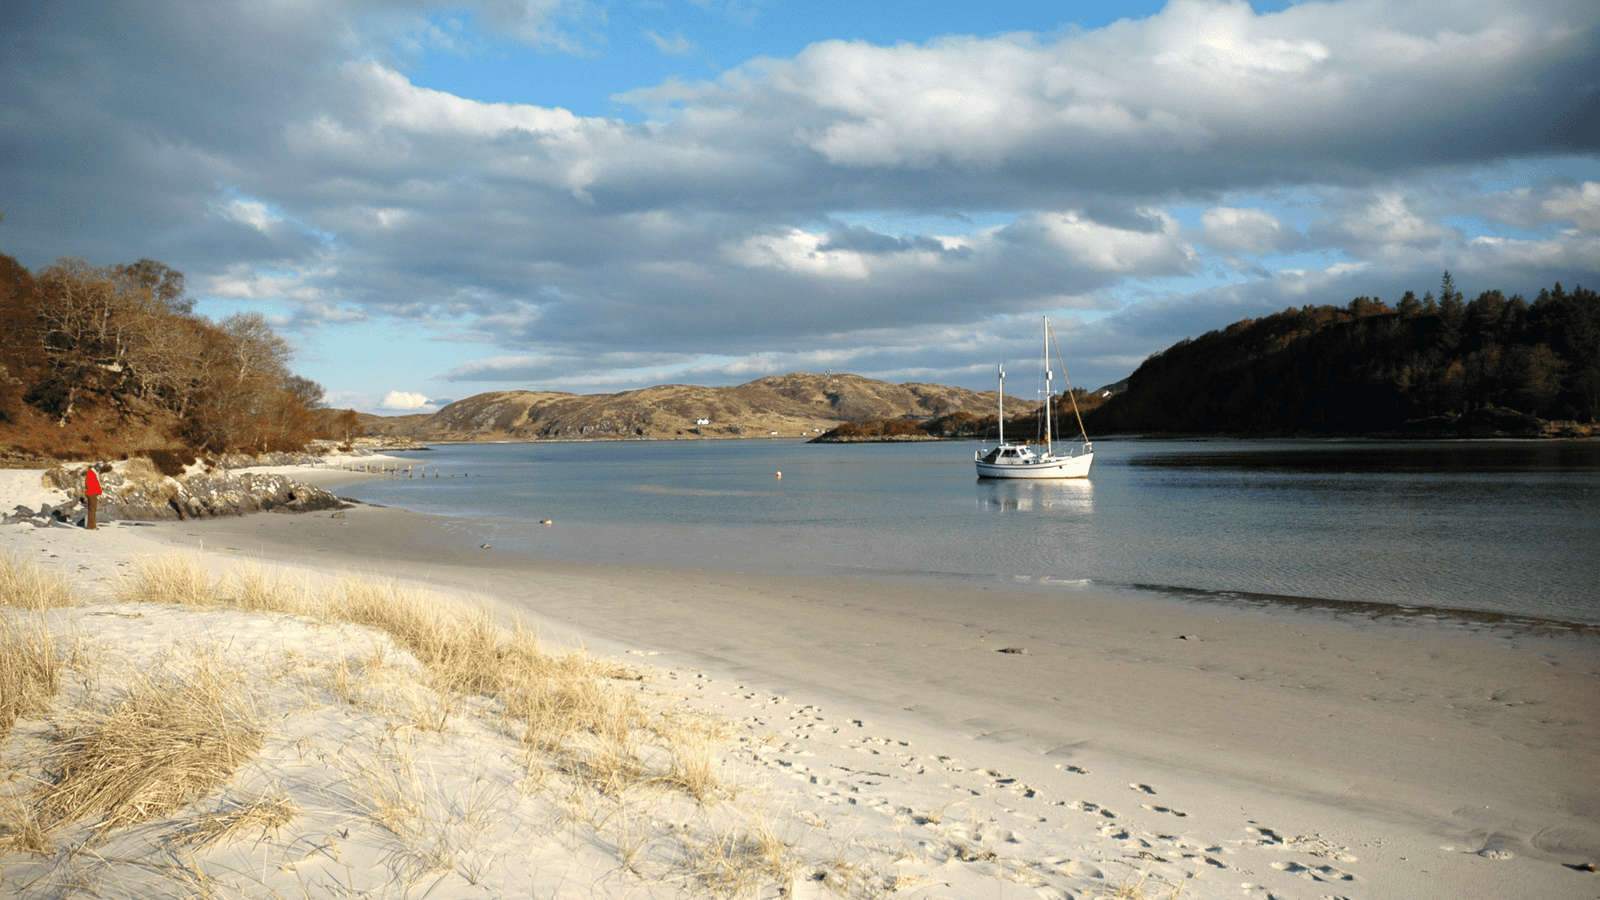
(1492,526)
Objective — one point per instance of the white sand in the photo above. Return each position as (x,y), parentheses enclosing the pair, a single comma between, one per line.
(1239,753)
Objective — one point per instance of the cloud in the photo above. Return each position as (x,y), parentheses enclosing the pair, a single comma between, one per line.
(674,44)
(1564,202)
(409,401)
(1247,231)
(283,156)
(864,240)
(1381,224)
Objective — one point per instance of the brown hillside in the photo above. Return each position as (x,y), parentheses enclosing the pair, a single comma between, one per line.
(800,404)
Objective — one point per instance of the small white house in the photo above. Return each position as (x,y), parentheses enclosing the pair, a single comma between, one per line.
(702,421)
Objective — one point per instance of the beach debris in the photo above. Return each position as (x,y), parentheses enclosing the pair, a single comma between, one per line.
(1582,867)
(483,546)
(546,521)
(1188,637)
(1019,651)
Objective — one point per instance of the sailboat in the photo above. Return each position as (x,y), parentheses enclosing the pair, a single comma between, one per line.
(1023,460)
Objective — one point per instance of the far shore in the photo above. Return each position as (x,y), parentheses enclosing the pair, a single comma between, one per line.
(1438,758)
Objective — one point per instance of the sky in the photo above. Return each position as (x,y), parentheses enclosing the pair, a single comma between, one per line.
(430,200)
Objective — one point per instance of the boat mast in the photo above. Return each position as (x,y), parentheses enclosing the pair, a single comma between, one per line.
(1049,411)
(1002,403)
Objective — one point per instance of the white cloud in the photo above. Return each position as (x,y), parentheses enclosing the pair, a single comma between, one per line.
(1382,225)
(1563,202)
(674,44)
(409,401)
(1247,230)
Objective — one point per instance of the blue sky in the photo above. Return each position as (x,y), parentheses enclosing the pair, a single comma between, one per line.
(435,200)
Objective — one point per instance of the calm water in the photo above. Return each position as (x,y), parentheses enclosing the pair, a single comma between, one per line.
(1503,527)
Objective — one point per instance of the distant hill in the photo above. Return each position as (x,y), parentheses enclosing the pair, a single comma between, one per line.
(1495,365)
(799,404)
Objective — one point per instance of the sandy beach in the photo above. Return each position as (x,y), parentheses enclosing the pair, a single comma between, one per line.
(1015,741)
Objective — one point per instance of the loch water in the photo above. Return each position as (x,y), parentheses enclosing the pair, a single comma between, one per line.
(1507,528)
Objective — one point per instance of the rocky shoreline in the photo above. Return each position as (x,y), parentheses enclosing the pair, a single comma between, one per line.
(133,494)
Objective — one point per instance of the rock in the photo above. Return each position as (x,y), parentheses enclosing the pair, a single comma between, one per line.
(206,496)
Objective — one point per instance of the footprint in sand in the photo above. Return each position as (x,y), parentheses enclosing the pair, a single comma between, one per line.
(1082,869)
(1318,873)
(1316,846)
(1263,837)
(1165,809)
(1142,787)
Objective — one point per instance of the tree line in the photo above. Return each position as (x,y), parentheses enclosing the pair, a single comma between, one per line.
(117,353)
(1366,367)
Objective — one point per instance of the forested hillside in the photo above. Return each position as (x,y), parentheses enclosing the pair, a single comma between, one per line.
(1423,366)
(103,361)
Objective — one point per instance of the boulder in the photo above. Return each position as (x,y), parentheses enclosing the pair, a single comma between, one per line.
(204,496)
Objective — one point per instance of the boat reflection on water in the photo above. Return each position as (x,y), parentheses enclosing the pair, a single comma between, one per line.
(1023,495)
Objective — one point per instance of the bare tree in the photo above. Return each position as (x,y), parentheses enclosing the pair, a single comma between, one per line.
(163,283)
(85,325)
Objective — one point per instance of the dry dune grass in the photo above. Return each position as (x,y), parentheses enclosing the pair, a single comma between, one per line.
(158,744)
(26,586)
(30,671)
(1144,887)
(30,663)
(740,860)
(141,472)
(166,743)
(563,706)
(259,816)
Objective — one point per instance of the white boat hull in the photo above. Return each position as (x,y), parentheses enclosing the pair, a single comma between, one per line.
(1037,467)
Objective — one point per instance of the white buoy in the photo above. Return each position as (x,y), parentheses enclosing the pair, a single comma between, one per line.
(778,475)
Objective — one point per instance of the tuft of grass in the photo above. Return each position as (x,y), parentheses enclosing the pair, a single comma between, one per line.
(162,746)
(741,861)
(171,578)
(26,586)
(693,769)
(248,588)
(140,472)
(259,816)
(30,671)
(20,828)
(1140,888)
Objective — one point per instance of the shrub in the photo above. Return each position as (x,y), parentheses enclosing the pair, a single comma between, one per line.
(171,463)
